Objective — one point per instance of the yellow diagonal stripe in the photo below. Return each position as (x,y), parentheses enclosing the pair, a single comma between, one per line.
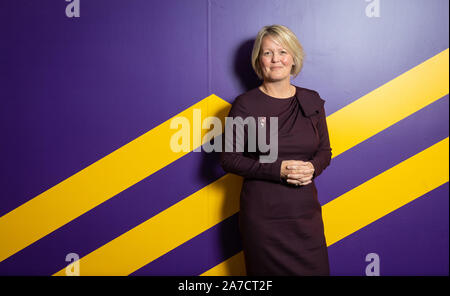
(233,266)
(389,103)
(386,192)
(165,231)
(373,199)
(97,183)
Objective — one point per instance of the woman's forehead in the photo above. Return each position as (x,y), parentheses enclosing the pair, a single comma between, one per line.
(271,42)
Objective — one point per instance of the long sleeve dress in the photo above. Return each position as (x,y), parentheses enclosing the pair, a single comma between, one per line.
(280,224)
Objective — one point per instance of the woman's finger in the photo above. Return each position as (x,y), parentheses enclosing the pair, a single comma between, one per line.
(293,182)
(298,175)
(296,166)
(302,181)
(295,176)
(305,172)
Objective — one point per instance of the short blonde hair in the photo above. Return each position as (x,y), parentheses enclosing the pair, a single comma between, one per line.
(287,39)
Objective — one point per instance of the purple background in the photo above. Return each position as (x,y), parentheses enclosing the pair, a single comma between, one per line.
(74,90)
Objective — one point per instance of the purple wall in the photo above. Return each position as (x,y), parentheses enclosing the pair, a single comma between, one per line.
(74,90)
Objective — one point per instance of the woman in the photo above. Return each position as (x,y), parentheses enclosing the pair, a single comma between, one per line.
(280,218)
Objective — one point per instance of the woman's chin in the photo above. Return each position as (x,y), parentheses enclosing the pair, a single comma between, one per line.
(277,78)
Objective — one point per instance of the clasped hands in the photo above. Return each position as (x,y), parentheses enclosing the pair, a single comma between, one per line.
(297,172)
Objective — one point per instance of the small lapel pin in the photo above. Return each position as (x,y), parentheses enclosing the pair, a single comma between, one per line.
(262,121)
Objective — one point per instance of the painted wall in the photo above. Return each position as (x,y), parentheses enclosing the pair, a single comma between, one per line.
(86,105)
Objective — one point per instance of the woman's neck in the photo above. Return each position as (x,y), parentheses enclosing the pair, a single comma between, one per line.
(278,89)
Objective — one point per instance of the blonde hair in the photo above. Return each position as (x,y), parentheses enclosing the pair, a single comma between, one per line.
(287,39)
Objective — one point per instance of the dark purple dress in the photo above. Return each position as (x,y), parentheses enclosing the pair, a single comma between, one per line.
(281,225)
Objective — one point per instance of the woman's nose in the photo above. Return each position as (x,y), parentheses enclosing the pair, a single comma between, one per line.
(275,57)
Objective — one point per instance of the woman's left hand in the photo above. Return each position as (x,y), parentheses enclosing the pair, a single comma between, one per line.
(300,173)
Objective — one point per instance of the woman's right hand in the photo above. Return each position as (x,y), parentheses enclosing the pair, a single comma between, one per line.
(296,172)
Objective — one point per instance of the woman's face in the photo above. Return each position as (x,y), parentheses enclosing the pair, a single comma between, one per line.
(276,63)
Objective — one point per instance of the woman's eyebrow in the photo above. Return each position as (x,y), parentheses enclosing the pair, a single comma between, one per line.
(281,48)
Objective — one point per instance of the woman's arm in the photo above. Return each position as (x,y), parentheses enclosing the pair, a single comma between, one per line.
(322,157)
(239,164)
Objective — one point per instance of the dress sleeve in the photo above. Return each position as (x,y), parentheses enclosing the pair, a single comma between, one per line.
(322,157)
(238,162)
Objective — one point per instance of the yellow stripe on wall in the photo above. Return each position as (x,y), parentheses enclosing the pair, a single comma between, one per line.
(386,192)
(373,199)
(165,231)
(235,265)
(97,183)
(390,103)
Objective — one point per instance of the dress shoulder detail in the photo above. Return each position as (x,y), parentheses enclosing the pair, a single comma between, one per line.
(310,101)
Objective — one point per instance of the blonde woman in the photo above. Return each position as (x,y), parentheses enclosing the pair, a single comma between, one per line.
(280,218)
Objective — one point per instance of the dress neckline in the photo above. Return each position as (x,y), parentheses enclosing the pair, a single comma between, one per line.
(278,99)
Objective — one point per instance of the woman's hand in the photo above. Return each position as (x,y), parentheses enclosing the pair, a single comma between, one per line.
(297,172)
